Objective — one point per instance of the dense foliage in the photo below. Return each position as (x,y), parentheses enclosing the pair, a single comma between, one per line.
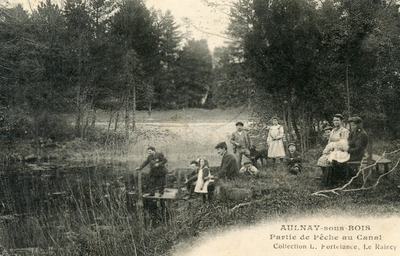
(311,59)
(301,59)
(94,54)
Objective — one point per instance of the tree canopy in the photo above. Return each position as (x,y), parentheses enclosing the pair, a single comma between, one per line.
(304,60)
(91,54)
(314,59)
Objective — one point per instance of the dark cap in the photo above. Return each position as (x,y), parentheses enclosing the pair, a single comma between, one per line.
(355,119)
(194,162)
(151,147)
(291,144)
(247,163)
(221,145)
(328,128)
(239,123)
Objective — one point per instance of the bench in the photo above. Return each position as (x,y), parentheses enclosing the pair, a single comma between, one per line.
(372,159)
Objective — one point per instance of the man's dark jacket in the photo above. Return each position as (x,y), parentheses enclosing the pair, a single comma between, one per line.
(159,170)
(229,168)
(358,141)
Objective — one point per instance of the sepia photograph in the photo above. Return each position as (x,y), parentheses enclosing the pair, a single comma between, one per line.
(199,127)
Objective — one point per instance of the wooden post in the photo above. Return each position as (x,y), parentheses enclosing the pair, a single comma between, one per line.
(139,204)
(140,198)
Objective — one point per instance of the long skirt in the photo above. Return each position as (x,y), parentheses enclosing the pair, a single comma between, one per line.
(276,149)
(335,174)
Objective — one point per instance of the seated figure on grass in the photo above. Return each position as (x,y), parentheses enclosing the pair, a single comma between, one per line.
(205,181)
(228,169)
(248,169)
(293,160)
(191,178)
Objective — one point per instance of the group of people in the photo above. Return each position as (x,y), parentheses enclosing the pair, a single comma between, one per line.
(201,181)
(276,151)
(343,145)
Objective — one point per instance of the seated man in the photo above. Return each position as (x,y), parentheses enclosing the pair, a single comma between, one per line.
(248,169)
(192,177)
(358,139)
(228,169)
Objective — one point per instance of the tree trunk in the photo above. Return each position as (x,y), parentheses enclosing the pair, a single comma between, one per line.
(78,112)
(347,87)
(127,118)
(290,128)
(109,125)
(296,129)
(285,127)
(116,122)
(149,110)
(134,108)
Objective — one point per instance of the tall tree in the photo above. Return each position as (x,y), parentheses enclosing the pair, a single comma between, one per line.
(78,36)
(169,39)
(193,75)
(23,89)
(232,86)
(134,31)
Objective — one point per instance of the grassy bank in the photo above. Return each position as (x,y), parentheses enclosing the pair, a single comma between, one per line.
(79,197)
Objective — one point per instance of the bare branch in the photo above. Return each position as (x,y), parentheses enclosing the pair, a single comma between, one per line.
(361,171)
(393,152)
(245,204)
(378,179)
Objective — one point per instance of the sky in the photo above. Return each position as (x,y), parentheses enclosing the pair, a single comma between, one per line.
(208,23)
(204,18)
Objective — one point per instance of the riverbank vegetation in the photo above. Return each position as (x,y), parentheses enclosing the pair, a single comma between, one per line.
(80,198)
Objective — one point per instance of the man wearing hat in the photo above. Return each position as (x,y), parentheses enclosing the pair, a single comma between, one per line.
(358,139)
(241,143)
(327,133)
(228,168)
(158,171)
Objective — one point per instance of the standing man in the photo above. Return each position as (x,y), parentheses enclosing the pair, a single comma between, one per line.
(241,143)
(358,139)
(229,168)
(158,171)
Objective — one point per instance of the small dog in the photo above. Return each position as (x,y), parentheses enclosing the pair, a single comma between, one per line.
(258,154)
